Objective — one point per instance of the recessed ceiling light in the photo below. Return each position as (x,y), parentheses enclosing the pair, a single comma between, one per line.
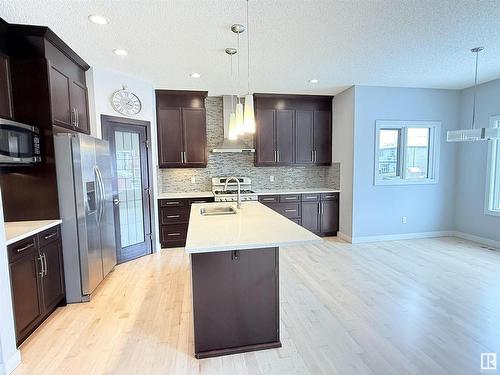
(195,75)
(314,80)
(120,52)
(97,19)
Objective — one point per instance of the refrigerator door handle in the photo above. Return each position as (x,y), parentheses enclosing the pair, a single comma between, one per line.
(101,194)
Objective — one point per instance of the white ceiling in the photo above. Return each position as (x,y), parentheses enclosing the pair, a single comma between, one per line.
(367,42)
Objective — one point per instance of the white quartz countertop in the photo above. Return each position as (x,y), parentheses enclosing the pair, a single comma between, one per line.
(254,226)
(192,194)
(297,191)
(18,230)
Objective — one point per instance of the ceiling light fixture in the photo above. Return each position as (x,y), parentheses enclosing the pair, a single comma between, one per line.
(249,113)
(119,52)
(240,125)
(98,20)
(232,134)
(314,80)
(473,134)
(195,75)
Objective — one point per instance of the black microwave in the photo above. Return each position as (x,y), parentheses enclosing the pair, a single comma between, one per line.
(19,143)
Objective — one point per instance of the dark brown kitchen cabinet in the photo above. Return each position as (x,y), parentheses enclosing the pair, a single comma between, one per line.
(293,130)
(78,100)
(182,129)
(317,212)
(5,89)
(37,279)
(174,219)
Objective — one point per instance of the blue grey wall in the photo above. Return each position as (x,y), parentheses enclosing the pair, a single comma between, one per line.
(470,193)
(378,210)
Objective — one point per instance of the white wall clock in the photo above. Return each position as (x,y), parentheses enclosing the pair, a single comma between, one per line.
(126,102)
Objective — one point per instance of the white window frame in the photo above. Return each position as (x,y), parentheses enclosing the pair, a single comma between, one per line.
(493,171)
(434,148)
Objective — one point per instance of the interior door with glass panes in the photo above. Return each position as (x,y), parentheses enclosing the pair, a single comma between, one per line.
(131,188)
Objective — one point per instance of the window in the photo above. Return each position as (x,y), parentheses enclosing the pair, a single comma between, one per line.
(493,183)
(407,152)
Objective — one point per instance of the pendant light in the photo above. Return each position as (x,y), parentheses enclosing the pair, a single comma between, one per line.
(240,126)
(249,114)
(232,134)
(473,134)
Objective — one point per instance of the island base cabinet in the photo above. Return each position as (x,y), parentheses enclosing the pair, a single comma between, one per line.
(235,301)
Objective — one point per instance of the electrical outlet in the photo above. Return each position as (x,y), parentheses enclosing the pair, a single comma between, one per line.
(403,219)
(271,178)
(193,180)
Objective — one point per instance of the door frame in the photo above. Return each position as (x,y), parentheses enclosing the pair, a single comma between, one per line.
(110,120)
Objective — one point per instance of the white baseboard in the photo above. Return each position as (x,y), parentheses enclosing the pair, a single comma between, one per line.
(11,363)
(474,238)
(403,236)
(344,237)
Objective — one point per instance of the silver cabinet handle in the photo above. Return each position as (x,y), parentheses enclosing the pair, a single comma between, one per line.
(268,199)
(312,156)
(45,262)
(330,196)
(290,210)
(185,157)
(50,235)
(315,156)
(172,202)
(278,156)
(173,216)
(21,249)
(42,272)
(312,197)
(182,157)
(173,234)
(275,157)
(77,118)
(321,208)
(289,198)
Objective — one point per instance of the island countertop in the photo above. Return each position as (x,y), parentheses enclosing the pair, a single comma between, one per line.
(254,226)
(18,230)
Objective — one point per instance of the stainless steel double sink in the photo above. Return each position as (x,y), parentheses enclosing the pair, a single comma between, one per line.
(218,210)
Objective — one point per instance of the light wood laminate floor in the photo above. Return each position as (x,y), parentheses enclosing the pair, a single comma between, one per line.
(428,306)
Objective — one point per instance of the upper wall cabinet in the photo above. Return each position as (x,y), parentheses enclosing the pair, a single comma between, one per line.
(293,130)
(5,88)
(182,129)
(48,79)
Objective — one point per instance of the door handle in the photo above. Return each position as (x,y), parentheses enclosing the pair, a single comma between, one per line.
(42,272)
(45,262)
(116,201)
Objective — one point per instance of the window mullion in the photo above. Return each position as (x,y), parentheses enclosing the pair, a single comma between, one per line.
(403,152)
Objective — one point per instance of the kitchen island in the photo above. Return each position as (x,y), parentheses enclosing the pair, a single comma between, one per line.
(235,276)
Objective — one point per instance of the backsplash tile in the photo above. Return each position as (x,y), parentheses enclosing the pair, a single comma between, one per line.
(179,179)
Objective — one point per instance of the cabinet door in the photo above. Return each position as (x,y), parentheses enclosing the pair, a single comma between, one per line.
(52,281)
(285,136)
(304,125)
(323,137)
(26,293)
(59,98)
(79,103)
(265,140)
(195,137)
(5,88)
(310,216)
(170,142)
(329,216)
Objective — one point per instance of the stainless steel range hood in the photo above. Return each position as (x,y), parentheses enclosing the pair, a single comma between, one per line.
(228,145)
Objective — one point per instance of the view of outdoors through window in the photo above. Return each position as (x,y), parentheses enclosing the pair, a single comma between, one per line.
(417,153)
(388,153)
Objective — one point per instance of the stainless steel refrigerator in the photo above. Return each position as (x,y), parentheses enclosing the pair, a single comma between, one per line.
(84,177)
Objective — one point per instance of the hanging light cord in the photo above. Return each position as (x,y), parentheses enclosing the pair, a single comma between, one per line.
(475,92)
(248,52)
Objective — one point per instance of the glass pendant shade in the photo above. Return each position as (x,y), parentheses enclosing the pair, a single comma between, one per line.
(239,119)
(232,127)
(249,115)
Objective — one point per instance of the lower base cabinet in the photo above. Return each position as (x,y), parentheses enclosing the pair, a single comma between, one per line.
(317,212)
(174,220)
(37,280)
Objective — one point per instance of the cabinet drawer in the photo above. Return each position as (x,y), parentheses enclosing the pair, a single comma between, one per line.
(329,196)
(173,232)
(311,197)
(289,210)
(173,215)
(48,236)
(201,200)
(173,202)
(290,198)
(22,248)
(268,198)
(297,221)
